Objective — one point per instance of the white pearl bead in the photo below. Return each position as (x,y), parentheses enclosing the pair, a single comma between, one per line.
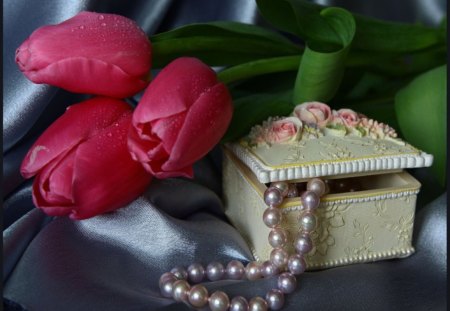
(308,222)
(317,185)
(293,191)
(235,270)
(166,287)
(238,303)
(215,271)
(196,273)
(268,269)
(273,197)
(303,244)
(275,299)
(279,257)
(278,237)
(253,271)
(181,290)
(219,301)
(257,304)
(282,186)
(296,264)
(310,200)
(287,282)
(272,217)
(166,277)
(180,272)
(198,296)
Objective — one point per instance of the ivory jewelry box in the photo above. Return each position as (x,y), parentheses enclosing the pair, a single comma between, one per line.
(368,211)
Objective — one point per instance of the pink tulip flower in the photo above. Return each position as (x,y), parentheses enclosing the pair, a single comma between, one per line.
(181,116)
(103,54)
(81,163)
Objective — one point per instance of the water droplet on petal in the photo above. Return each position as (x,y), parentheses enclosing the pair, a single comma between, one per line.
(101,17)
(109,134)
(103,24)
(81,27)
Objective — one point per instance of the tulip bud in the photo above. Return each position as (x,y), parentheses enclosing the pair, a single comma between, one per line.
(181,116)
(103,54)
(81,163)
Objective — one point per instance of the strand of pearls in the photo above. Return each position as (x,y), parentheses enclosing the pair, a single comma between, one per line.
(176,283)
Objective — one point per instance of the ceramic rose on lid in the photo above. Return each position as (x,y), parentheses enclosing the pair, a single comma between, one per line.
(326,142)
(367,212)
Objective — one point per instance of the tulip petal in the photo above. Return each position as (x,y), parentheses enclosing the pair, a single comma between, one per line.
(152,156)
(187,111)
(143,150)
(181,172)
(205,124)
(81,75)
(78,123)
(108,39)
(174,90)
(54,199)
(105,176)
(167,129)
(60,181)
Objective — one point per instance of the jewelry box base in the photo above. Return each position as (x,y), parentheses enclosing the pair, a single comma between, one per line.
(353,227)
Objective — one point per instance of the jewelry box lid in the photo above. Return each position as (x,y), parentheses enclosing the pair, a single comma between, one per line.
(316,141)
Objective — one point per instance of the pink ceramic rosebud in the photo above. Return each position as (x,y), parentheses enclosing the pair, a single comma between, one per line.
(182,115)
(81,163)
(103,54)
(349,117)
(314,113)
(284,130)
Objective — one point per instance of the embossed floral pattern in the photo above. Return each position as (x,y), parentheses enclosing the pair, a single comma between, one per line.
(362,232)
(403,227)
(331,216)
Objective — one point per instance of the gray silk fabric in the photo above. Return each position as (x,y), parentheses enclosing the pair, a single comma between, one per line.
(113,261)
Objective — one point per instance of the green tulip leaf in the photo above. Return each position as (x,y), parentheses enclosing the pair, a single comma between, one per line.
(395,64)
(254,109)
(259,67)
(220,44)
(421,109)
(301,18)
(323,62)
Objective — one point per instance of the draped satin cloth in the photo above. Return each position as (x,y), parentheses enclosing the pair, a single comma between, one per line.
(113,261)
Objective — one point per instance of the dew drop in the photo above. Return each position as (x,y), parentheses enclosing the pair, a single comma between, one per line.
(109,134)
(103,24)
(81,27)
(101,17)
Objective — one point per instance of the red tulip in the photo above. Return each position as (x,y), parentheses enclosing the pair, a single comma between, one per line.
(82,163)
(182,115)
(103,54)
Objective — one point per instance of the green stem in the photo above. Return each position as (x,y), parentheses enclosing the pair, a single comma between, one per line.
(291,63)
(259,67)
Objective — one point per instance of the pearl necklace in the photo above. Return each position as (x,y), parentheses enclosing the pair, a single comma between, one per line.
(174,284)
